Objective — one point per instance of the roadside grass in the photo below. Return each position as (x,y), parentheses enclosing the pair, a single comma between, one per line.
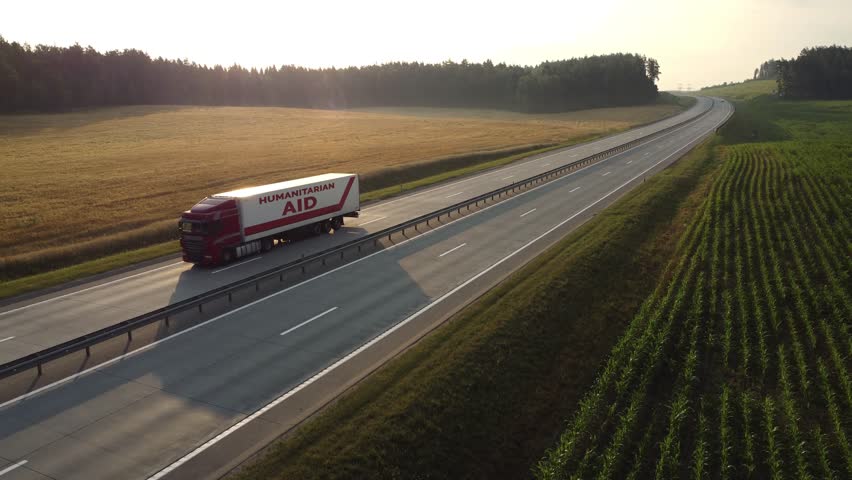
(738,365)
(140,209)
(86,269)
(485,394)
(742,91)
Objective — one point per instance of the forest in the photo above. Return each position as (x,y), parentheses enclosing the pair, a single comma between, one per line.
(49,78)
(817,73)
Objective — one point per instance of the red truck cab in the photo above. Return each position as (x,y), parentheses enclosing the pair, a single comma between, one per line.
(208,230)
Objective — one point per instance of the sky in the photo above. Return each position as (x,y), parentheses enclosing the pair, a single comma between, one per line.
(697,43)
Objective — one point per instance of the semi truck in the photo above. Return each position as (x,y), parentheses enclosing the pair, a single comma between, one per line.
(234,224)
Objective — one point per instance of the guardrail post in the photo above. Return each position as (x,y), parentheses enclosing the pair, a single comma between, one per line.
(200,310)
(257,286)
(230,297)
(39,370)
(167,325)
(281,275)
(130,335)
(341,254)
(88,352)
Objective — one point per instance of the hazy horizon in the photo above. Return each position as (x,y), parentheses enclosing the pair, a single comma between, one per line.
(704,44)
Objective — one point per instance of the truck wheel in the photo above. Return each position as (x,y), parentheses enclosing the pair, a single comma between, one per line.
(227,256)
(266,244)
(316,228)
(336,223)
(326,227)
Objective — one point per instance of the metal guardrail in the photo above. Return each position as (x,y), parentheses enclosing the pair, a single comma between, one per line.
(85,342)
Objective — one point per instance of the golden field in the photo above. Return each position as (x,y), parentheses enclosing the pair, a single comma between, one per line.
(119,177)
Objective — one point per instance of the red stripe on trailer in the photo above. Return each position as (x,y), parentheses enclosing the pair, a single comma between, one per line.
(302,216)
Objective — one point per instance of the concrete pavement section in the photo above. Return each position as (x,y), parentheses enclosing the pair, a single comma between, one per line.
(194,402)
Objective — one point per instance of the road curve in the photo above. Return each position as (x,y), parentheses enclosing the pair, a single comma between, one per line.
(38,323)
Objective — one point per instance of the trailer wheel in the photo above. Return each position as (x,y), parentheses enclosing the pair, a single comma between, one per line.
(266,244)
(316,228)
(336,223)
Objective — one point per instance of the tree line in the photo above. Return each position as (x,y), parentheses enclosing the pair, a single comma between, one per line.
(819,72)
(48,78)
(767,70)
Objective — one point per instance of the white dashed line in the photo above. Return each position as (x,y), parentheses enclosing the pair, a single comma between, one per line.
(506,178)
(371,221)
(6,339)
(525,214)
(12,467)
(237,265)
(574,190)
(452,250)
(453,195)
(605,174)
(285,332)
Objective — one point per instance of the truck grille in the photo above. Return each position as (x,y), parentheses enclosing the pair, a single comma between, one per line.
(194,249)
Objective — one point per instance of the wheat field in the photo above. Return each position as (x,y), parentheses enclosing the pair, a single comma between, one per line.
(74,180)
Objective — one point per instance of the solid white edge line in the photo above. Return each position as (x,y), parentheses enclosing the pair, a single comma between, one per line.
(236,265)
(7,339)
(12,467)
(201,448)
(452,250)
(574,189)
(642,131)
(285,332)
(371,221)
(527,213)
(145,348)
(90,288)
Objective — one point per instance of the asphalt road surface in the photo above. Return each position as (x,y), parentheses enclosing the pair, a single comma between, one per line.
(179,400)
(38,323)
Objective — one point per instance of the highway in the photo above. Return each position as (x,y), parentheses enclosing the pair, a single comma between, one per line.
(205,396)
(37,323)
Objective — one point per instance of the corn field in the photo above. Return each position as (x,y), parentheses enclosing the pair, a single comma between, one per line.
(738,366)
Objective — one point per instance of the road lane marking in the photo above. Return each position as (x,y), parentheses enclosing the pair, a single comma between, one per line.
(525,214)
(12,467)
(91,288)
(605,174)
(506,178)
(637,133)
(371,221)
(574,190)
(236,265)
(629,162)
(285,332)
(286,395)
(545,164)
(452,250)
(149,346)
(453,195)
(646,154)
(5,339)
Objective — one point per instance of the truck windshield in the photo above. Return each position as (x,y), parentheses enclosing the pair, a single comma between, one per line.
(198,228)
